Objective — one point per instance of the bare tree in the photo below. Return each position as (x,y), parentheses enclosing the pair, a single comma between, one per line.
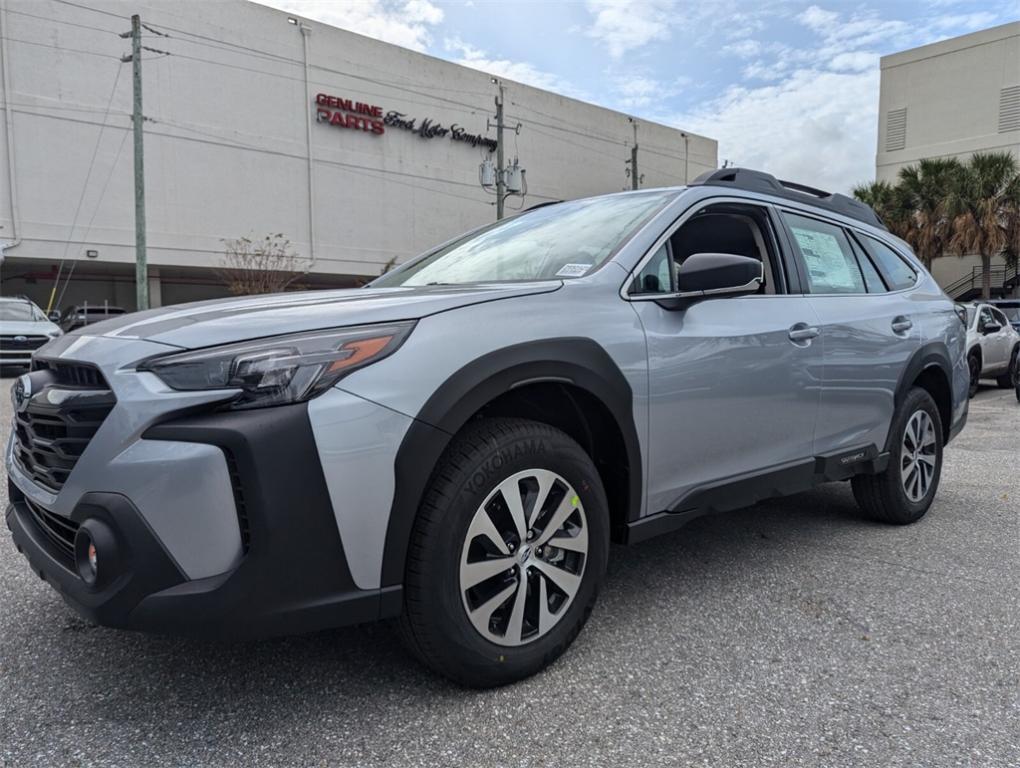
(268,265)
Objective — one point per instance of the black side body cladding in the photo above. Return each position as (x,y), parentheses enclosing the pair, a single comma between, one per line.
(738,492)
(579,361)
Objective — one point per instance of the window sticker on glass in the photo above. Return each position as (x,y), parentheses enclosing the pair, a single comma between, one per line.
(826,263)
(573,270)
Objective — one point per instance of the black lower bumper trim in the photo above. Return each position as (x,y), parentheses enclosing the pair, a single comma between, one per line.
(293,578)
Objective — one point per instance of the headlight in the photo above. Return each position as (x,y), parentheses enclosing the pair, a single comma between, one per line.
(280,369)
(55,333)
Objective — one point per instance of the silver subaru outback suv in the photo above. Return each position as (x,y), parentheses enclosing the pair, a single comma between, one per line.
(456,444)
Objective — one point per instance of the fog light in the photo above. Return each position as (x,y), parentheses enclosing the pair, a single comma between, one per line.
(93,537)
(85,556)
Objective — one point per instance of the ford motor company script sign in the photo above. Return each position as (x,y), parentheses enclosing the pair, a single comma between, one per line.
(356,115)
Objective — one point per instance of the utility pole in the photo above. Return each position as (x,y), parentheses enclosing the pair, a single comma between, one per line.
(500,171)
(141,265)
(634,177)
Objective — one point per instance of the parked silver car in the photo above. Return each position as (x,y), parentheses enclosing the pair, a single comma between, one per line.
(456,444)
(993,346)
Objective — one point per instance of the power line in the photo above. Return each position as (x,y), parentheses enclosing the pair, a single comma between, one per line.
(61,21)
(61,48)
(93,10)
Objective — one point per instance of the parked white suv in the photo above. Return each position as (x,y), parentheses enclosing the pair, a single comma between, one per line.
(23,329)
(992,346)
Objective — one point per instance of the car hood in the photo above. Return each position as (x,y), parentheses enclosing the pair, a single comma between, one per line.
(27,327)
(222,321)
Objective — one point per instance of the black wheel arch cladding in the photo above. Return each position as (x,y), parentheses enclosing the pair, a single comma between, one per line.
(578,361)
(932,357)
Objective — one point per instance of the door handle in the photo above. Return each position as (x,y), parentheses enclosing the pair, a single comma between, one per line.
(802,332)
(901,324)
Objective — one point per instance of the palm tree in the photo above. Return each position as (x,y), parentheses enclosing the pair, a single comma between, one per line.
(982,202)
(885,199)
(922,192)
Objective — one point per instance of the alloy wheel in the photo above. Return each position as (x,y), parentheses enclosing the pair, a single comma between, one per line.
(523,557)
(918,456)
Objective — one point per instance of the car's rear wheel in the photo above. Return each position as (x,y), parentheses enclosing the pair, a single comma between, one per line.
(507,553)
(904,492)
(974,366)
(1006,380)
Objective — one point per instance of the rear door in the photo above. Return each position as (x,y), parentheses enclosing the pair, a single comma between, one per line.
(867,327)
(992,344)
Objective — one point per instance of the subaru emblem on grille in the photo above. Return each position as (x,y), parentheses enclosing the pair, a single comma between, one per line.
(21,392)
(20,339)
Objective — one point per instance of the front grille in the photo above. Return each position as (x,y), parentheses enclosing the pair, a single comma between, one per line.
(59,531)
(60,419)
(75,374)
(21,343)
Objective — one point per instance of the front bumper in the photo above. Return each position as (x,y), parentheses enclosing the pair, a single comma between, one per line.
(292,577)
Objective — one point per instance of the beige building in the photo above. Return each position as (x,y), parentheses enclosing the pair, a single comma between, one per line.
(258,121)
(950,99)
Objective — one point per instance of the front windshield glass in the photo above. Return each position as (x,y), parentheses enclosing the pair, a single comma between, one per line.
(19,311)
(557,241)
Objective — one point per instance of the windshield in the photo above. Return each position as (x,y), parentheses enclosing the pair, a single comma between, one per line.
(557,241)
(20,311)
(970,316)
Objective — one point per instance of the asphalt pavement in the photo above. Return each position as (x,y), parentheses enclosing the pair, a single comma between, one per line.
(791,633)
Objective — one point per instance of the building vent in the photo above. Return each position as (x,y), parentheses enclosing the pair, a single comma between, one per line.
(1009,109)
(895,129)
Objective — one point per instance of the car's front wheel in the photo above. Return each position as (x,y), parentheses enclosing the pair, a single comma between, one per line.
(974,366)
(905,490)
(507,553)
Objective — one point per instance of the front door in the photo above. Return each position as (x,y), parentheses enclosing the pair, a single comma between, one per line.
(733,382)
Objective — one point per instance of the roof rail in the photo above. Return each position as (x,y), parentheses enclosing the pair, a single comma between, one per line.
(766,183)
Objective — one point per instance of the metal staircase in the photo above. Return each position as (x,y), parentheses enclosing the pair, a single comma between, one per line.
(968,287)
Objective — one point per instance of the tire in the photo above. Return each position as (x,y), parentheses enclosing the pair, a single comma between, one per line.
(1007,380)
(450,539)
(974,366)
(885,496)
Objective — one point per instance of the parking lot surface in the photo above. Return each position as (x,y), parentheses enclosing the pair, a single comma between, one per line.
(791,633)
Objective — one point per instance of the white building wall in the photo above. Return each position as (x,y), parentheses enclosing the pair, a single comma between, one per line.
(225,139)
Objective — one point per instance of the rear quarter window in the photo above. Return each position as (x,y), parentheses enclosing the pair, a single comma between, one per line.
(898,273)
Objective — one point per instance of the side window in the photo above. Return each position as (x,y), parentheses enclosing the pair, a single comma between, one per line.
(1000,318)
(826,255)
(656,275)
(985,318)
(899,274)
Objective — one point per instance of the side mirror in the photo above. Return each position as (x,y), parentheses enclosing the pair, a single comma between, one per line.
(54,316)
(991,328)
(705,275)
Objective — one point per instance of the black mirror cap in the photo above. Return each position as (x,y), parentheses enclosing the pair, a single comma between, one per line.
(709,272)
(991,328)
(54,316)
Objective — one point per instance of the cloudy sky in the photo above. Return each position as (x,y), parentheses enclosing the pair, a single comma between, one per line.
(788,86)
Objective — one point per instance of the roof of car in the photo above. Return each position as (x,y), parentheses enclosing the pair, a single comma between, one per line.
(767,184)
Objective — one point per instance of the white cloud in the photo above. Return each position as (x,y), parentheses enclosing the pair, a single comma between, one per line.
(816,127)
(406,23)
(623,25)
(854,61)
(745,49)
(519,71)
(639,91)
